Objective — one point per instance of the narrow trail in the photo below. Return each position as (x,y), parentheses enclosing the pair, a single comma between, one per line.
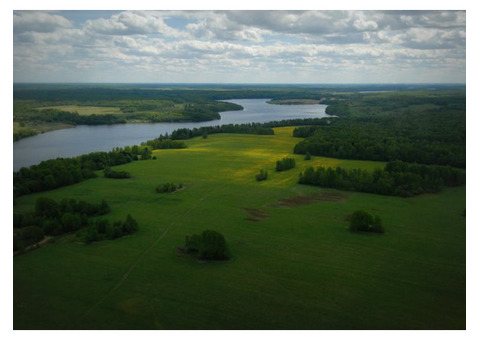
(127,273)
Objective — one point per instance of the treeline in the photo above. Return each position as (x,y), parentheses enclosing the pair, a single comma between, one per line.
(397,178)
(253,129)
(58,116)
(23,133)
(52,218)
(427,136)
(165,143)
(92,93)
(55,173)
(249,128)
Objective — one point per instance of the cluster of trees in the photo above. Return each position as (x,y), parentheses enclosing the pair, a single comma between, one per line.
(109,173)
(397,178)
(103,229)
(49,175)
(362,221)
(55,173)
(209,245)
(168,188)
(262,175)
(165,143)
(52,218)
(349,141)
(285,164)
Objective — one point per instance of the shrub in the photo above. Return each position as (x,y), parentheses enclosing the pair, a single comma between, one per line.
(109,173)
(168,188)
(262,175)
(363,221)
(285,164)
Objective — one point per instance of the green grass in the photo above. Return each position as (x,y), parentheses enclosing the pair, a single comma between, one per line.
(86,110)
(297,268)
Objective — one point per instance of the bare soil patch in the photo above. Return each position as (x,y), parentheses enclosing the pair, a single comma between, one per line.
(296,201)
(256,215)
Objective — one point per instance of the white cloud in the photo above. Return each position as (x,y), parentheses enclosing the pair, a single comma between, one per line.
(36,21)
(131,23)
(141,45)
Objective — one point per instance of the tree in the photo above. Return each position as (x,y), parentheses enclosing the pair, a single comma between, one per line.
(262,175)
(130,225)
(70,222)
(214,246)
(363,221)
(46,207)
(209,245)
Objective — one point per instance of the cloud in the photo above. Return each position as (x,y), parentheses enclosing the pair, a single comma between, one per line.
(36,21)
(131,23)
(215,45)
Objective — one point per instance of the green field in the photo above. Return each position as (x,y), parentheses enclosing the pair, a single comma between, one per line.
(295,265)
(86,110)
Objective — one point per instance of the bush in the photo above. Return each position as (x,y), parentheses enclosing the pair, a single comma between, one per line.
(262,175)
(210,245)
(104,230)
(364,222)
(168,188)
(109,173)
(285,164)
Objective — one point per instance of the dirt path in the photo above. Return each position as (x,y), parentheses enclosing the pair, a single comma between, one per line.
(43,242)
(129,270)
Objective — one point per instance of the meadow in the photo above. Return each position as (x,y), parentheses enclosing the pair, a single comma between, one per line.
(86,110)
(295,265)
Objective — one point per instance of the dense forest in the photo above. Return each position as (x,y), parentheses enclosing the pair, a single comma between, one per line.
(413,127)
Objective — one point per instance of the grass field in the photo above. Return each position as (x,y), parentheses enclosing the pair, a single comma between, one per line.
(86,110)
(295,265)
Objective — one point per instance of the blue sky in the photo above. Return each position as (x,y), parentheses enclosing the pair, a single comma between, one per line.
(268,46)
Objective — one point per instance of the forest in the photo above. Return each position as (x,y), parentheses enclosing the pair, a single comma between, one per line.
(397,178)
(413,127)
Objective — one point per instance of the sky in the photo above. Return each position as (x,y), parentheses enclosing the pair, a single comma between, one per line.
(249,46)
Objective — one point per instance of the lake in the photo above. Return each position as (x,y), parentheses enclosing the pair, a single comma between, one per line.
(84,139)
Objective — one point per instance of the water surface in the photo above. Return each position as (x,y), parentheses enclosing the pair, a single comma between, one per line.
(85,139)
